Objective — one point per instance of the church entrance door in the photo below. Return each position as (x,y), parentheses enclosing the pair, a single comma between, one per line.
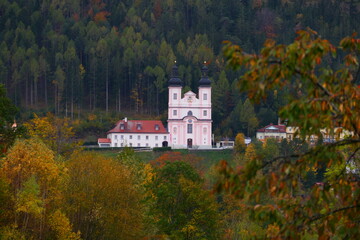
(189,143)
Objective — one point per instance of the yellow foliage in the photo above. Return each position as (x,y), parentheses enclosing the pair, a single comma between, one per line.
(240,143)
(272,231)
(42,128)
(91,117)
(250,152)
(30,157)
(82,71)
(149,174)
(55,132)
(28,199)
(11,233)
(61,225)
(36,181)
(102,194)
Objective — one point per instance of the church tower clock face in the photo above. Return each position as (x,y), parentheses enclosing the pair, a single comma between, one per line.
(189,99)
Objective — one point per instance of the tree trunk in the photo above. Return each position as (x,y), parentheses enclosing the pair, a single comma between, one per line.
(35,92)
(157,102)
(26,93)
(119,101)
(72,99)
(107,85)
(45,87)
(94,89)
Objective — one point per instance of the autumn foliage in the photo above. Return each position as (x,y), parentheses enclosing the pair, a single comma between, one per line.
(318,97)
(168,157)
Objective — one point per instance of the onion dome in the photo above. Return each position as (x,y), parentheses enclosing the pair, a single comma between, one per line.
(175,80)
(204,81)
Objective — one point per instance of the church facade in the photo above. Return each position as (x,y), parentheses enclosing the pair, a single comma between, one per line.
(189,121)
(189,116)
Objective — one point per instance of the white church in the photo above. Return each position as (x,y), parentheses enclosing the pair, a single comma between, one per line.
(189,116)
(189,121)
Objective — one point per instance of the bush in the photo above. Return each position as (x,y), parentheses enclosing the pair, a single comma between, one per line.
(161,149)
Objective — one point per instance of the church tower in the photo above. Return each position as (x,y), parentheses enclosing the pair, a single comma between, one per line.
(189,117)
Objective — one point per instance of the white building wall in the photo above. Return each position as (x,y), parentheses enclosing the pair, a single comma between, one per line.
(138,139)
(264,135)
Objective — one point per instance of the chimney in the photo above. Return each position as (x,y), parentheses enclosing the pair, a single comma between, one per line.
(125,119)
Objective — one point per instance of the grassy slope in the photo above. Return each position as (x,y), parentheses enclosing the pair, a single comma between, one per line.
(210,157)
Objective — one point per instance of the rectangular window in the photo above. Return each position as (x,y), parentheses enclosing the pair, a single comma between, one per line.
(122,144)
(156,145)
(121,136)
(139,137)
(115,144)
(189,128)
(147,144)
(138,144)
(130,137)
(164,137)
(205,96)
(122,126)
(205,113)
(115,136)
(175,96)
(174,112)
(156,137)
(147,137)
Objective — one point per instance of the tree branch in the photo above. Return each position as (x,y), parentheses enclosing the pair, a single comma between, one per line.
(314,151)
(319,216)
(347,162)
(357,76)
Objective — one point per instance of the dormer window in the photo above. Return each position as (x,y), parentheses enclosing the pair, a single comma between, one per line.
(157,127)
(122,126)
(138,126)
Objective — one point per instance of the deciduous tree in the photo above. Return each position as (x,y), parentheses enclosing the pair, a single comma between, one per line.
(326,97)
(182,209)
(240,145)
(102,199)
(55,132)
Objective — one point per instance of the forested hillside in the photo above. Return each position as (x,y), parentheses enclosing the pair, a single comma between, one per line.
(64,56)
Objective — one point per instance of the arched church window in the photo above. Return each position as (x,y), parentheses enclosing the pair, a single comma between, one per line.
(190,113)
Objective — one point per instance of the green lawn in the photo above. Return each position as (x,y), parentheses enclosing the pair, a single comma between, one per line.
(210,157)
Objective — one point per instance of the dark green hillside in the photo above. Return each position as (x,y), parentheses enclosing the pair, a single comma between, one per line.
(77,56)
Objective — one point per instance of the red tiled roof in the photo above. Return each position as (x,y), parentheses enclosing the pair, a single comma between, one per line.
(104,140)
(273,128)
(139,126)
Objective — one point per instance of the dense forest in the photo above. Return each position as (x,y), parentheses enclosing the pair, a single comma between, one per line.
(70,57)
(69,67)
